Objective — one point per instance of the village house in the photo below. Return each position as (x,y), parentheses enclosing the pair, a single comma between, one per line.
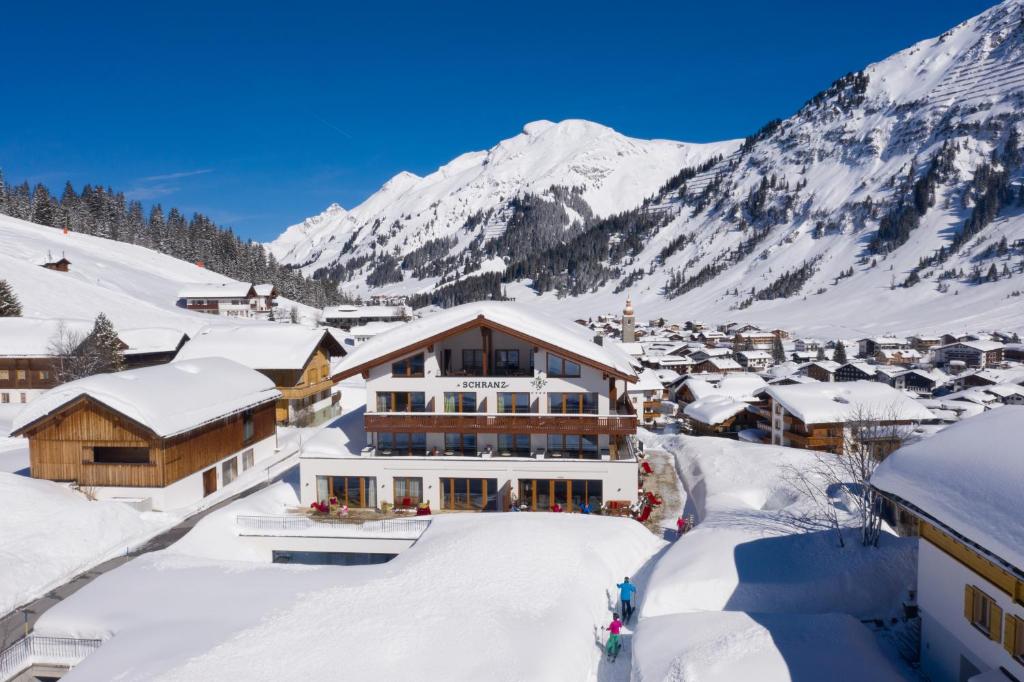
(482,407)
(61,264)
(821,370)
(263,302)
(819,416)
(969,353)
(646,395)
(855,371)
(753,339)
(922,343)
(297,359)
(27,364)
(960,493)
(234,299)
(348,316)
(805,345)
(869,346)
(897,356)
(165,436)
(717,365)
(754,360)
(702,354)
(145,347)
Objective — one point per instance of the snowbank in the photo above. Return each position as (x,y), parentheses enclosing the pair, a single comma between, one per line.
(480,596)
(730,646)
(757,548)
(968,477)
(51,532)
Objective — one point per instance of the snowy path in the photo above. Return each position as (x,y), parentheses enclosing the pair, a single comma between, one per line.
(675,502)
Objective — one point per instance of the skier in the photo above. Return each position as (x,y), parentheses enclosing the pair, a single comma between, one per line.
(613,645)
(626,592)
(680,526)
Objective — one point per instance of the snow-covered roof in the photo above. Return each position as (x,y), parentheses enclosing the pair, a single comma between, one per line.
(982,346)
(229,290)
(633,348)
(374,328)
(648,381)
(263,289)
(829,366)
(834,402)
(151,340)
(723,363)
(266,346)
(714,409)
(544,330)
(354,312)
(969,478)
(31,337)
(740,387)
(755,354)
(167,399)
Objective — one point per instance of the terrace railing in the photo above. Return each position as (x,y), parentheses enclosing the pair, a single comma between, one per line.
(39,650)
(397,529)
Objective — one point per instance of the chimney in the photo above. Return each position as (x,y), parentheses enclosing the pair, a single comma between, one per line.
(599,339)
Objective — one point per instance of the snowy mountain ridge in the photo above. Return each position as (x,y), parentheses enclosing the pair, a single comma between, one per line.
(889,201)
(614,173)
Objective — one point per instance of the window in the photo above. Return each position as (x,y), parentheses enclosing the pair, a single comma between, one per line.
(513,403)
(408,489)
(24,397)
(405,401)
(5,398)
(983,612)
(20,374)
(473,361)
(248,459)
(5,374)
(541,495)
(572,403)
(228,471)
(354,491)
(460,444)
(571,445)
(402,444)
(120,455)
(467,494)
(408,367)
(516,444)
(460,402)
(506,362)
(560,367)
(42,375)
(1014,641)
(248,427)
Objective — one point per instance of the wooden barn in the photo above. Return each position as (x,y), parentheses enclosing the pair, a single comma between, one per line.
(171,434)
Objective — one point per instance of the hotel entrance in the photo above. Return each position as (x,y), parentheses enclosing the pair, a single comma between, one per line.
(542,495)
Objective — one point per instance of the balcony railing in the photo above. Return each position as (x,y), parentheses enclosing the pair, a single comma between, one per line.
(399,529)
(415,422)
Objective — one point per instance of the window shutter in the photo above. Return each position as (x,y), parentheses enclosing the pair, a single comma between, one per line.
(968,602)
(1010,636)
(995,622)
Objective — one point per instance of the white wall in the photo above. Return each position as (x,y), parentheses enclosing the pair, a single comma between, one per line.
(946,634)
(619,478)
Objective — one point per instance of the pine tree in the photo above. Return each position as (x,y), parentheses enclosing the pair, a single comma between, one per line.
(840,354)
(105,347)
(10,306)
(778,352)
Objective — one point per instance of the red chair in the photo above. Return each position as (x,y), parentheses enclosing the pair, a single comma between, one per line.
(647,468)
(406,503)
(652,499)
(645,514)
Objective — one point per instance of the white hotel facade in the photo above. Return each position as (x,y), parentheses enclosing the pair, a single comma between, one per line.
(481,407)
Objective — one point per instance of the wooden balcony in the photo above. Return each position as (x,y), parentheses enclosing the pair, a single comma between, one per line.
(613,425)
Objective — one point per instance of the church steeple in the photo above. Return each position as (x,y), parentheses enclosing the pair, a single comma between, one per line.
(628,322)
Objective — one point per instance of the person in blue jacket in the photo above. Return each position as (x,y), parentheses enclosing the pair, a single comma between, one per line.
(627,591)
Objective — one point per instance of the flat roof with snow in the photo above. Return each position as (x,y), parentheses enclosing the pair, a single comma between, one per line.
(268,346)
(167,399)
(30,337)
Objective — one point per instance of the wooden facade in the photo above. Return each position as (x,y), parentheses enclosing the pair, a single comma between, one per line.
(17,374)
(617,425)
(70,444)
(302,388)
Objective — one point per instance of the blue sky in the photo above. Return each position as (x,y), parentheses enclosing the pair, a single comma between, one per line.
(262,113)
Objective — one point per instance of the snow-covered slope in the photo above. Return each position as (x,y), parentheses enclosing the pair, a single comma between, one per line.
(133,285)
(906,173)
(613,171)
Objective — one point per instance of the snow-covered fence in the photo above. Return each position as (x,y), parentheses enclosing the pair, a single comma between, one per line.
(38,650)
(399,529)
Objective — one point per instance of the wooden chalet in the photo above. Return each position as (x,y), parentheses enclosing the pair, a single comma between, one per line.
(297,359)
(27,364)
(172,433)
(60,265)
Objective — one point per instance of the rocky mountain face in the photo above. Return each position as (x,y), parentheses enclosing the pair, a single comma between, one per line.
(896,191)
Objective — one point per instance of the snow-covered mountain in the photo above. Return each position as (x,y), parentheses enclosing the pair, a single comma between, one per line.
(890,201)
(469,196)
